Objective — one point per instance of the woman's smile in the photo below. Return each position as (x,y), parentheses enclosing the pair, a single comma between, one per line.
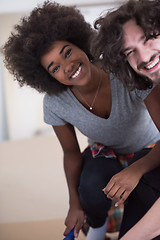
(77,73)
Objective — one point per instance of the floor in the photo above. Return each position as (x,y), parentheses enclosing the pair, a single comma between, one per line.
(29,173)
(42,230)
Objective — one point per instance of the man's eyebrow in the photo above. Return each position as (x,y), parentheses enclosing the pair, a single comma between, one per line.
(63,49)
(50,65)
(141,38)
(126,49)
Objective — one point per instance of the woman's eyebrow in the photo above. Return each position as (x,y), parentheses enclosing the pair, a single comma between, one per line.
(63,49)
(50,65)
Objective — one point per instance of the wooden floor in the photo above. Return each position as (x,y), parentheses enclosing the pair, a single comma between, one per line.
(33,189)
(42,230)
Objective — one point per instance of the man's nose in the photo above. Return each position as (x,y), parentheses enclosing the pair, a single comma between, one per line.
(144,54)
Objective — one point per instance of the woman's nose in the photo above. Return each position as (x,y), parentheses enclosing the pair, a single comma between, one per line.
(68,67)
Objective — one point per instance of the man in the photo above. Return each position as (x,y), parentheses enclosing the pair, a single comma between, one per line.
(128,38)
(129,42)
(148,227)
(142,53)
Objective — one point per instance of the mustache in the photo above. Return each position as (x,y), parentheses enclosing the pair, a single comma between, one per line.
(142,64)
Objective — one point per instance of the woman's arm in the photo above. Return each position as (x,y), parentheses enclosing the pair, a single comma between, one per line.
(72,166)
(148,227)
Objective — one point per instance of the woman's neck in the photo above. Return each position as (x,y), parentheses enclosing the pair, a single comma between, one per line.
(93,81)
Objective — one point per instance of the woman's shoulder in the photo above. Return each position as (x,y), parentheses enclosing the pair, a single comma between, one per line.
(50,99)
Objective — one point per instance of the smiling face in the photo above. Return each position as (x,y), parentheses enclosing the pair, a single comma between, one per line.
(142,55)
(67,64)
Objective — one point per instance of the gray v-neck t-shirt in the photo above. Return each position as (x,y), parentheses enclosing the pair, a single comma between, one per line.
(128,129)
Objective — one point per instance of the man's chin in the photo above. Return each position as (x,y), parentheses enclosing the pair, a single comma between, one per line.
(155,79)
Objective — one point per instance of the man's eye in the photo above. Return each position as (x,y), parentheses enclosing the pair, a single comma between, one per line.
(55,69)
(68,53)
(129,53)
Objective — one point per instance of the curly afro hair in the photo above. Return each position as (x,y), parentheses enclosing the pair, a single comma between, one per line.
(109,40)
(34,36)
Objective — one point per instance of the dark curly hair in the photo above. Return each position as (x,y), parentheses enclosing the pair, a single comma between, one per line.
(109,40)
(34,36)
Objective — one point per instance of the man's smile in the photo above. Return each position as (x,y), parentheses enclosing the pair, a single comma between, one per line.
(151,66)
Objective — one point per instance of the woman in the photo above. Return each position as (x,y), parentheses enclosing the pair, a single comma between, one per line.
(50,51)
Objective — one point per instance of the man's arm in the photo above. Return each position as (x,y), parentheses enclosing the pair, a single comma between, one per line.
(148,227)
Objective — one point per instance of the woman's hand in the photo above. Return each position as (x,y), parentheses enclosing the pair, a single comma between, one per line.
(75,219)
(122,184)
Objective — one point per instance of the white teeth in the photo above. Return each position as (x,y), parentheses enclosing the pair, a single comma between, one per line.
(77,72)
(152,64)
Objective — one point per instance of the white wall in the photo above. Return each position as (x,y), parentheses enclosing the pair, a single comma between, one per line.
(3,118)
(22,6)
(21,106)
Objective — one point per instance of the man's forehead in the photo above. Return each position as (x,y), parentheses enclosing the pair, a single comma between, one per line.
(132,32)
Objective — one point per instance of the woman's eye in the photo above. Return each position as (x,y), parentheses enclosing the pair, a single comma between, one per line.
(55,69)
(68,53)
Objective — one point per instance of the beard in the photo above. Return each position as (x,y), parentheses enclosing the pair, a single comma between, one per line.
(155,77)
